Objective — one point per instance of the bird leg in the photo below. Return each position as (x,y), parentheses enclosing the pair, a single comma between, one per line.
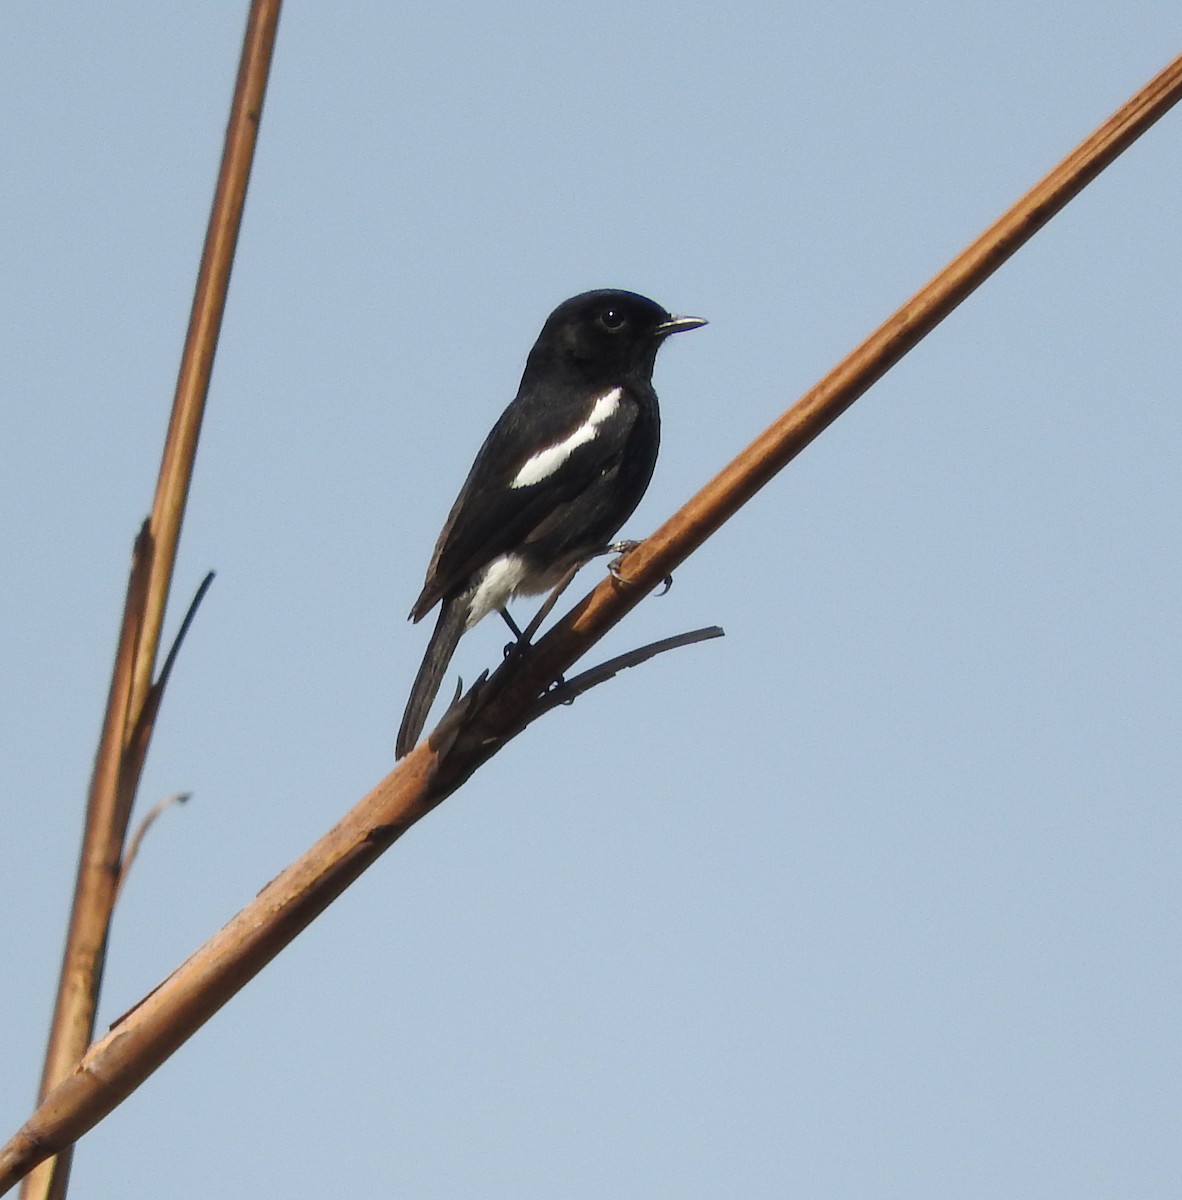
(524,638)
(551,600)
(513,629)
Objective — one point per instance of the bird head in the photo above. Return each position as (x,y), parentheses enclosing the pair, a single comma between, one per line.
(607,336)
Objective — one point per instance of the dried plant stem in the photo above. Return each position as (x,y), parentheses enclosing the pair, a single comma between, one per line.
(205,322)
(128,721)
(478,725)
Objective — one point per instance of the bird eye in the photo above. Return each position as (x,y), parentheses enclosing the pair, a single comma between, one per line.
(612,320)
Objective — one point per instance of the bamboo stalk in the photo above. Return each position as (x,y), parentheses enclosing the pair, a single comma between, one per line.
(118,762)
(478,725)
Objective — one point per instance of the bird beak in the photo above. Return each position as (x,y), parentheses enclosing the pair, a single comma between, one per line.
(679,325)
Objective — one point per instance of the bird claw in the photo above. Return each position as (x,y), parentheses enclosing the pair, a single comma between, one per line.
(619,549)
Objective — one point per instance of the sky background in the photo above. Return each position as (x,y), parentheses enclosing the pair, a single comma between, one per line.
(876,897)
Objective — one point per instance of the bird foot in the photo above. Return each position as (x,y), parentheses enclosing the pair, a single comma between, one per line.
(521,639)
(619,549)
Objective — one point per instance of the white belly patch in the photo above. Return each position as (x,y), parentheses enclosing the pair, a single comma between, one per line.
(502,578)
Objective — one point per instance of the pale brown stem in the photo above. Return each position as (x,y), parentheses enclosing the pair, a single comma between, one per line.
(118,761)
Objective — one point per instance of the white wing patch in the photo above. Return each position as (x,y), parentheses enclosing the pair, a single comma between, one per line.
(538,466)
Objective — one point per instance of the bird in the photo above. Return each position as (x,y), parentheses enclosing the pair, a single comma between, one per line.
(560,472)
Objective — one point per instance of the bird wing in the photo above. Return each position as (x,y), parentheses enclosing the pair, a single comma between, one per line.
(501,504)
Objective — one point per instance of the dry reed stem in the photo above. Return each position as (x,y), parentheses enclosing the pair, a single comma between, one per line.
(131,700)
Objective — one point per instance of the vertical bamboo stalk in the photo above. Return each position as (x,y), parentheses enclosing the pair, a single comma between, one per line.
(117,764)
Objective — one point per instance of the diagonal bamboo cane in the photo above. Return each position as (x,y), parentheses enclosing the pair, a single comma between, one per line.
(132,699)
(480,723)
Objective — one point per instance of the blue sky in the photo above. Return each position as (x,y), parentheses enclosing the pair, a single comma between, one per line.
(878,895)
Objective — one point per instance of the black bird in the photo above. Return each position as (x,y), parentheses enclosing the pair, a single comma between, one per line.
(561,471)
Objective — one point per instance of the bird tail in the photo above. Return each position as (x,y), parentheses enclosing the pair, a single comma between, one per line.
(451,624)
